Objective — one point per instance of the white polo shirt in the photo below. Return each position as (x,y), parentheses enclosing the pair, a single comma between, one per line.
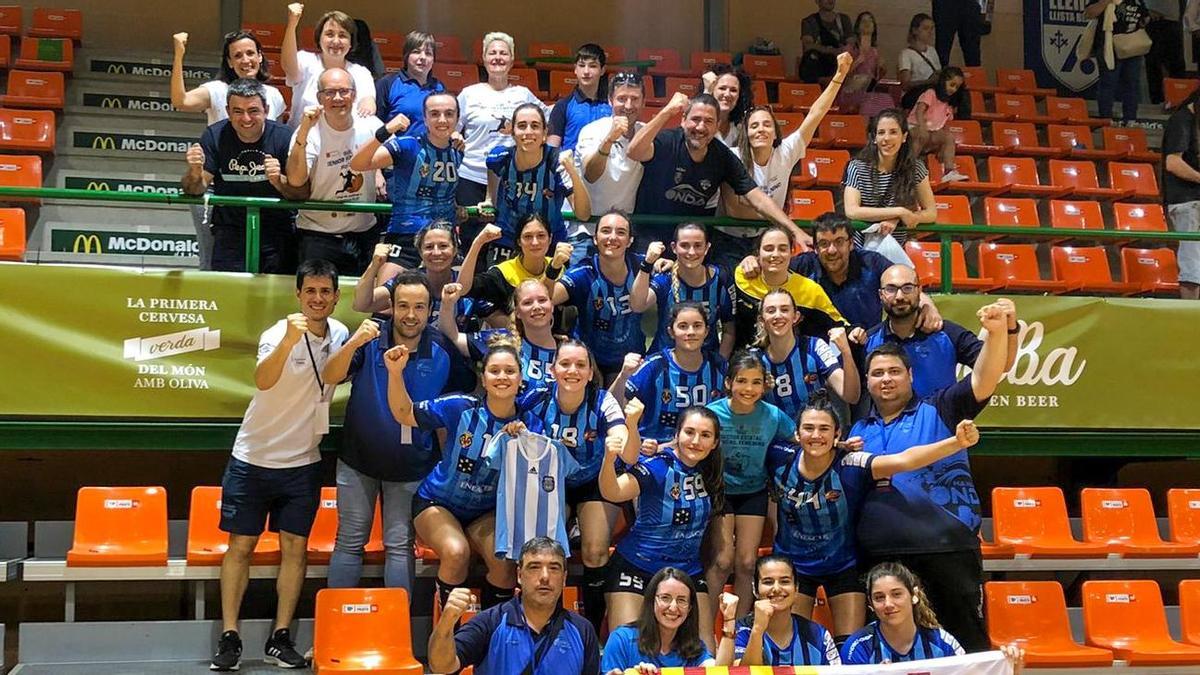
(617,187)
(328,154)
(283,427)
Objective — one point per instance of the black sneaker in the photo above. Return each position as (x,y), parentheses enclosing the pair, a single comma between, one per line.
(281,651)
(229,652)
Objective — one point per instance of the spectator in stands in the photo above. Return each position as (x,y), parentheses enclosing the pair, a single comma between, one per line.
(485,114)
(424,175)
(888,184)
(823,35)
(243,156)
(322,161)
(274,470)
(867,64)
(935,354)
(1165,58)
(964,18)
(735,96)
(666,633)
(529,635)
(1181,189)
(938,105)
(684,170)
(1118,76)
(404,91)
(243,58)
(612,179)
(585,104)
(770,157)
(381,459)
(919,63)
(929,519)
(335,38)
(772,634)
(365,52)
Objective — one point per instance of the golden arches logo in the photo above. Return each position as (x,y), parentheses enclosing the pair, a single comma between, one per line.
(104,143)
(116,68)
(111,102)
(86,242)
(99,186)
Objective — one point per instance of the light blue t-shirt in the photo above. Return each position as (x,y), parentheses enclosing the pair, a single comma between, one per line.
(621,651)
(744,442)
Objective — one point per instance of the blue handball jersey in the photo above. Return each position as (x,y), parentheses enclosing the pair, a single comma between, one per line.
(424,178)
(804,371)
(606,323)
(716,296)
(811,644)
(817,518)
(531,501)
(581,432)
(541,190)
(465,479)
(673,510)
(535,361)
(867,647)
(666,389)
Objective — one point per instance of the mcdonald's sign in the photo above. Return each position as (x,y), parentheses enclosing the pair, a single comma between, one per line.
(100,186)
(86,242)
(104,143)
(111,102)
(116,69)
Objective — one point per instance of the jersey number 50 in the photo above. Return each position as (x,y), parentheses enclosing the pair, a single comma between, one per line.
(697,395)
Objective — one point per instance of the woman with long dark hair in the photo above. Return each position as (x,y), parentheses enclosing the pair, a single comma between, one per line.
(666,633)
(735,96)
(887,183)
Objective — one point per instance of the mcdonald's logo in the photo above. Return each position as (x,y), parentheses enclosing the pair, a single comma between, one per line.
(86,241)
(116,68)
(100,186)
(111,102)
(104,143)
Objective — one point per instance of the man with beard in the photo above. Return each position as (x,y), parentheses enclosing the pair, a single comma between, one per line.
(530,634)
(929,519)
(684,170)
(935,354)
(382,459)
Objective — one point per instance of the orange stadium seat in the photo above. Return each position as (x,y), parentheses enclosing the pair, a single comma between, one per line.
(1033,614)
(46,54)
(704,61)
(1018,108)
(614,54)
(667,62)
(389,44)
(455,76)
(968,138)
(979,109)
(953,210)
(1076,214)
(976,78)
(450,49)
(27,130)
(966,166)
(1075,140)
(1124,520)
(20,171)
(1183,504)
(1020,174)
(842,131)
(808,204)
(1128,617)
(1139,217)
(11,19)
(926,257)
(1175,90)
(1189,610)
(12,234)
(1034,521)
(797,96)
(270,35)
(758,91)
(1155,270)
(823,167)
(526,77)
(5,51)
(1011,212)
(562,84)
(324,530)
(1021,138)
(1020,81)
(788,122)
(57,23)
(1137,177)
(363,630)
(27,89)
(119,527)
(1080,179)
(570,599)
(1129,142)
(688,85)
(762,67)
(1071,110)
(206,543)
(822,613)
(1085,268)
(553,50)
(993,551)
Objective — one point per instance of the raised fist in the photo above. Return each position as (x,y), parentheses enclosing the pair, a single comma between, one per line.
(838,338)
(382,252)
(195,155)
(654,251)
(566,159)
(634,409)
(727,604)
(180,41)
(295,9)
(368,330)
(457,603)
(966,433)
(489,234)
(562,254)
(398,124)
(763,610)
(396,359)
(271,167)
(297,326)
(844,62)
(631,363)
(678,102)
(450,294)
(311,115)
(620,127)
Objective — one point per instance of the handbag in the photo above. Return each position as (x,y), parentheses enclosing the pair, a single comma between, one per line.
(1130,45)
(1087,41)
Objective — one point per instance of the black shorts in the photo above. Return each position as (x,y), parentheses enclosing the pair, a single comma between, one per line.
(403,250)
(254,497)
(585,492)
(753,504)
(848,581)
(464,518)
(623,577)
(349,252)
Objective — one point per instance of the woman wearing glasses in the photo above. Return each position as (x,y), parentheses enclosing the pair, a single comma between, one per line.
(666,633)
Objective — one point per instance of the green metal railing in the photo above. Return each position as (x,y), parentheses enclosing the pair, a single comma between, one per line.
(254,206)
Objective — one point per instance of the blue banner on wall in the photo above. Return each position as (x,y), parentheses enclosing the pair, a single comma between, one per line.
(1053,29)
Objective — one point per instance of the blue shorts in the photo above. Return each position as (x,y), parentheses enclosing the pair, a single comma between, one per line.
(250,494)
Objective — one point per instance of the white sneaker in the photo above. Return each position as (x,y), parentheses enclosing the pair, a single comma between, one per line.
(954,176)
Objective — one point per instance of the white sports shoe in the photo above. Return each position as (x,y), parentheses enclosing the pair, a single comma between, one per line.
(954,176)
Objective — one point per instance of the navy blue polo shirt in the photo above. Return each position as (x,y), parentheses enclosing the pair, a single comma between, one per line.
(398,93)
(498,641)
(858,297)
(573,113)
(930,510)
(375,443)
(934,356)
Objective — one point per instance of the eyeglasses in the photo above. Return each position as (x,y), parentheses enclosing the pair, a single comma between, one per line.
(666,600)
(892,289)
(634,79)
(832,243)
(335,93)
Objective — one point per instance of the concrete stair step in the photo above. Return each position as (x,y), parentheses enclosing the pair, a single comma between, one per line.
(90,233)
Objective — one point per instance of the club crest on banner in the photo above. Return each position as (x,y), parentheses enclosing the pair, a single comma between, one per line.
(1056,28)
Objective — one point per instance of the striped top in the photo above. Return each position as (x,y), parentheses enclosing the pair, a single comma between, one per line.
(876,191)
